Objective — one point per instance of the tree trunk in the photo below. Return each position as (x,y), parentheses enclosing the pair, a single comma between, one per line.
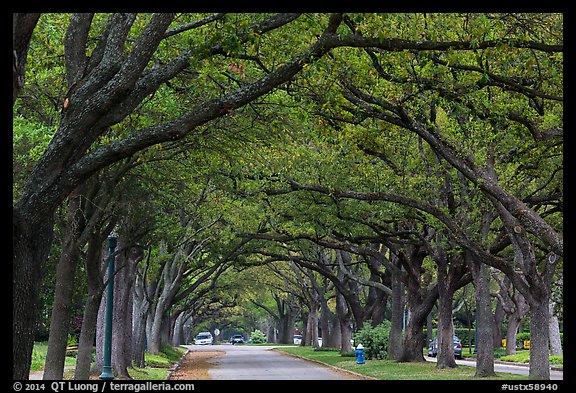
(484,320)
(100,326)
(555,340)
(413,343)
(539,336)
(312,325)
(139,336)
(286,317)
(61,307)
(61,314)
(513,322)
(31,244)
(165,331)
(445,335)
(345,321)
(23,25)
(140,310)
(122,317)
(498,318)
(445,358)
(89,320)
(419,307)
(154,336)
(272,333)
(178,334)
(87,336)
(396,320)
(335,336)
(325,326)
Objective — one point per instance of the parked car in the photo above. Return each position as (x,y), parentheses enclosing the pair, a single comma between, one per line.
(203,338)
(433,348)
(297,339)
(237,339)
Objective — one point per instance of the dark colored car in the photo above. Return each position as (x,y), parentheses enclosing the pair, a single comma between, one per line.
(433,348)
(237,339)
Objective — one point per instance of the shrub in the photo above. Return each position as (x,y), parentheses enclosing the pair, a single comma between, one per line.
(557,360)
(374,339)
(71,341)
(258,337)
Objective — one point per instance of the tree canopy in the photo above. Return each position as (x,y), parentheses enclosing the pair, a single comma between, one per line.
(362,150)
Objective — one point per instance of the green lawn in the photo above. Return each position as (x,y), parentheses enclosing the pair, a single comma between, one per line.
(391,370)
(39,357)
(156,365)
(521,356)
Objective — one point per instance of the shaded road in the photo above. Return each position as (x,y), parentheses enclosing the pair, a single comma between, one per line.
(261,363)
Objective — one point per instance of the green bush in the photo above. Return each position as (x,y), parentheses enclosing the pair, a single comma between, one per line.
(258,337)
(557,360)
(71,341)
(374,339)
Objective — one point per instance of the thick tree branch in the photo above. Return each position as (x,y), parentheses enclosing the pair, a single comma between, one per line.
(75,47)
(22,27)
(193,25)
(196,117)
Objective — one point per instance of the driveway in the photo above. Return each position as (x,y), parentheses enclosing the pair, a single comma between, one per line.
(261,363)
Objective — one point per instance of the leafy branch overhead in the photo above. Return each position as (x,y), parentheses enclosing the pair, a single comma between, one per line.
(349,158)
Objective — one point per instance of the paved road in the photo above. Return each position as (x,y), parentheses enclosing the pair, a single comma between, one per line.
(261,363)
(506,368)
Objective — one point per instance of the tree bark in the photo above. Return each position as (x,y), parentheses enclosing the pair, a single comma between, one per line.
(498,318)
(122,318)
(445,358)
(539,339)
(140,312)
(445,336)
(514,321)
(286,318)
(312,325)
(345,323)
(555,340)
(178,331)
(61,307)
(31,243)
(93,265)
(419,302)
(324,321)
(484,319)
(396,320)
(23,25)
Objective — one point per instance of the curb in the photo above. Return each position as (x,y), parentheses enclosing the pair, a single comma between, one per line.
(177,365)
(342,370)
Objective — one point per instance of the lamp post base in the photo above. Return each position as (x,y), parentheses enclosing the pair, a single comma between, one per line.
(106,373)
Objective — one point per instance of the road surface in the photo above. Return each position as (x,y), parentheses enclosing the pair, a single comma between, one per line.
(261,363)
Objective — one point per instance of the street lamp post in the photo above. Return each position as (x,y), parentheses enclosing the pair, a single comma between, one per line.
(107,368)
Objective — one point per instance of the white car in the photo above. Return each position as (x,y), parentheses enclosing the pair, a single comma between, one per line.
(204,338)
(297,339)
